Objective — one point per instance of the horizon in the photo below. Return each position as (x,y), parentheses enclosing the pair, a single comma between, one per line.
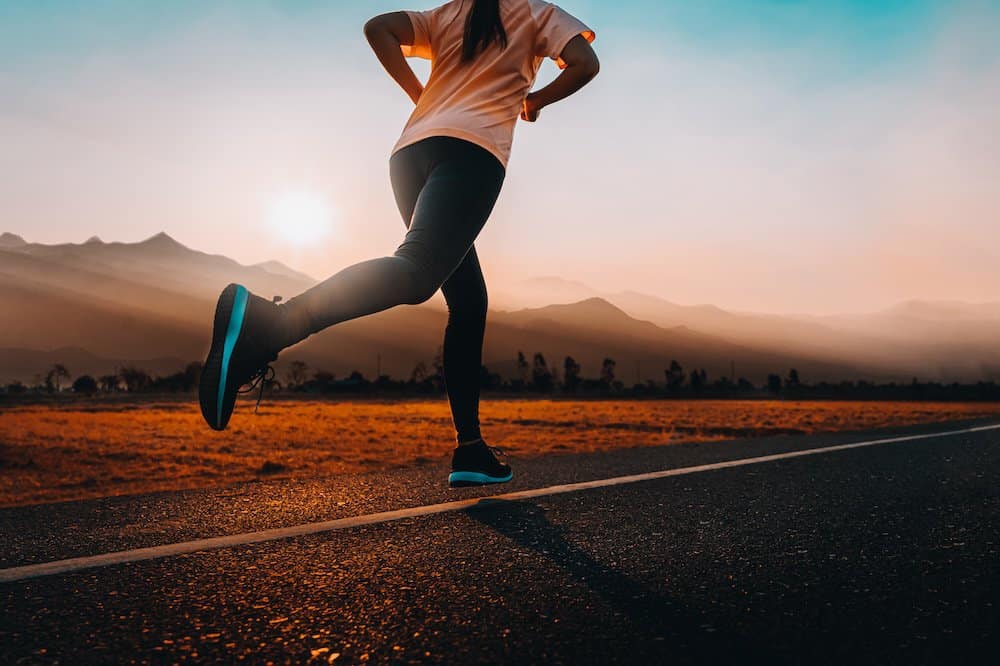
(95,239)
(805,158)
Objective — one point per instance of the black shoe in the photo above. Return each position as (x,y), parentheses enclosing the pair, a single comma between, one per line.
(241,352)
(477,465)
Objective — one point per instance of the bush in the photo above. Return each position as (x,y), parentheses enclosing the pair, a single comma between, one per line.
(85,384)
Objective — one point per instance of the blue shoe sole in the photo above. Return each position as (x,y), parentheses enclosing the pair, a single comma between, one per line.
(230,315)
(465,479)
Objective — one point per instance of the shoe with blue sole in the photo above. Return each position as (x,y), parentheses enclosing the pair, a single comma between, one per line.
(241,351)
(477,465)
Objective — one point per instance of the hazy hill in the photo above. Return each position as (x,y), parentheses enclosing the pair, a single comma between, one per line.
(104,304)
(278,268)
(162,263)
(594,329)
(30,365)
(11,240)
(945,341)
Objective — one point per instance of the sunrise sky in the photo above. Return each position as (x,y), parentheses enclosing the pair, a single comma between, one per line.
(809,156)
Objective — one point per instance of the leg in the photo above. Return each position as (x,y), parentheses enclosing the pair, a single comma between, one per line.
(452,206)
(465,292)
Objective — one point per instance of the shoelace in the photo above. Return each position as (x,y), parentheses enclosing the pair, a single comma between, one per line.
(260,378)
(497,451)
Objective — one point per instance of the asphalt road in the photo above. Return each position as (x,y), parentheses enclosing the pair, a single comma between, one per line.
(883,554)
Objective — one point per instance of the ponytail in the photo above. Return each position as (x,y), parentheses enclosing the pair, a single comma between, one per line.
(483,27)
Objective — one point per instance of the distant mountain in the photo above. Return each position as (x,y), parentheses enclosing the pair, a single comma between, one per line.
(160,262)
(595,329)
(278,268)
(945,310)
(119,300)
(100,304)
(29,364)
(933,340)
(9,240)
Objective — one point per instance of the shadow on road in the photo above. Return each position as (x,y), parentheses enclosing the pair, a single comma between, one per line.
(662,625)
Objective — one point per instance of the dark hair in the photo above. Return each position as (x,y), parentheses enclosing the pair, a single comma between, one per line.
(482,28)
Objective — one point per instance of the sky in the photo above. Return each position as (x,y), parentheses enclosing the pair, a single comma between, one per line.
(813,156)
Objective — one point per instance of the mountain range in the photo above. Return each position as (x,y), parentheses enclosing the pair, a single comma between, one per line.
(97,305)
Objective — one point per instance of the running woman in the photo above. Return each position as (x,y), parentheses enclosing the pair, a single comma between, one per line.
(446,171)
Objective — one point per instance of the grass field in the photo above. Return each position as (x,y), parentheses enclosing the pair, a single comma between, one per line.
(93,449)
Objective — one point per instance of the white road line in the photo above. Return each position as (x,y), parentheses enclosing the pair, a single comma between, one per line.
(107,559)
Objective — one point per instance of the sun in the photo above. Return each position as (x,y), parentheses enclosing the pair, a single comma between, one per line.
(300,218)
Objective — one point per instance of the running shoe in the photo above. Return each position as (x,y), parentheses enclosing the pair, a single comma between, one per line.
(241,352)
(477,465)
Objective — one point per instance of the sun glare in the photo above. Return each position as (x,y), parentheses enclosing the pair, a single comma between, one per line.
(300,218)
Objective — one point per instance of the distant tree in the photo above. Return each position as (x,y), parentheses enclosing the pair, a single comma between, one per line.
(774,383)
(108,383)
(608,372)
(323,379)
(489,380)
(173,383)
(272,383)
(724,384)
(85,384)
(437,379)
(697,379)
(522,368)
(792,379)
(419,373)
(16,387)
(135,379)
(192,375)
(53,377)
(297,373)
(674,376)
(183,381)
(541,376)
(385,381)
(744,384)
(571,374)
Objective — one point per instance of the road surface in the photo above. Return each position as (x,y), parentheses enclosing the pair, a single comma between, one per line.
(886,551)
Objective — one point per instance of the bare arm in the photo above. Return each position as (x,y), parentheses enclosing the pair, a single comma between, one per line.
(386,33)
(582,65)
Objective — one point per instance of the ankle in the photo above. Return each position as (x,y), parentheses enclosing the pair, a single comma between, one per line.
(292,325)
(288,327)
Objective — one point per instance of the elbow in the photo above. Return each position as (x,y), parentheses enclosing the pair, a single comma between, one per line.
(587,67)
(372,27)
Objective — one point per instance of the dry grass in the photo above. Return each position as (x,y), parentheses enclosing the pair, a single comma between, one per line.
(82,450)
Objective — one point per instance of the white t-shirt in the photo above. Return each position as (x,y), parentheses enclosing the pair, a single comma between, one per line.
(480,101)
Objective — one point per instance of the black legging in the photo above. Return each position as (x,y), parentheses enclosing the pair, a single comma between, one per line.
(445,189)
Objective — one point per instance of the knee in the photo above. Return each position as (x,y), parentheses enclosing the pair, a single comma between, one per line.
(422,286)
(421,275)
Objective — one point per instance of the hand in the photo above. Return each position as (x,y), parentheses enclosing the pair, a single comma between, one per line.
(531,109)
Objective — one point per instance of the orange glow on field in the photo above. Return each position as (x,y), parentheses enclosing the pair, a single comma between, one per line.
(84,449)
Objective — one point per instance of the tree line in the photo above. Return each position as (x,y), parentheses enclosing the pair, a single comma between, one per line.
(534,377)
